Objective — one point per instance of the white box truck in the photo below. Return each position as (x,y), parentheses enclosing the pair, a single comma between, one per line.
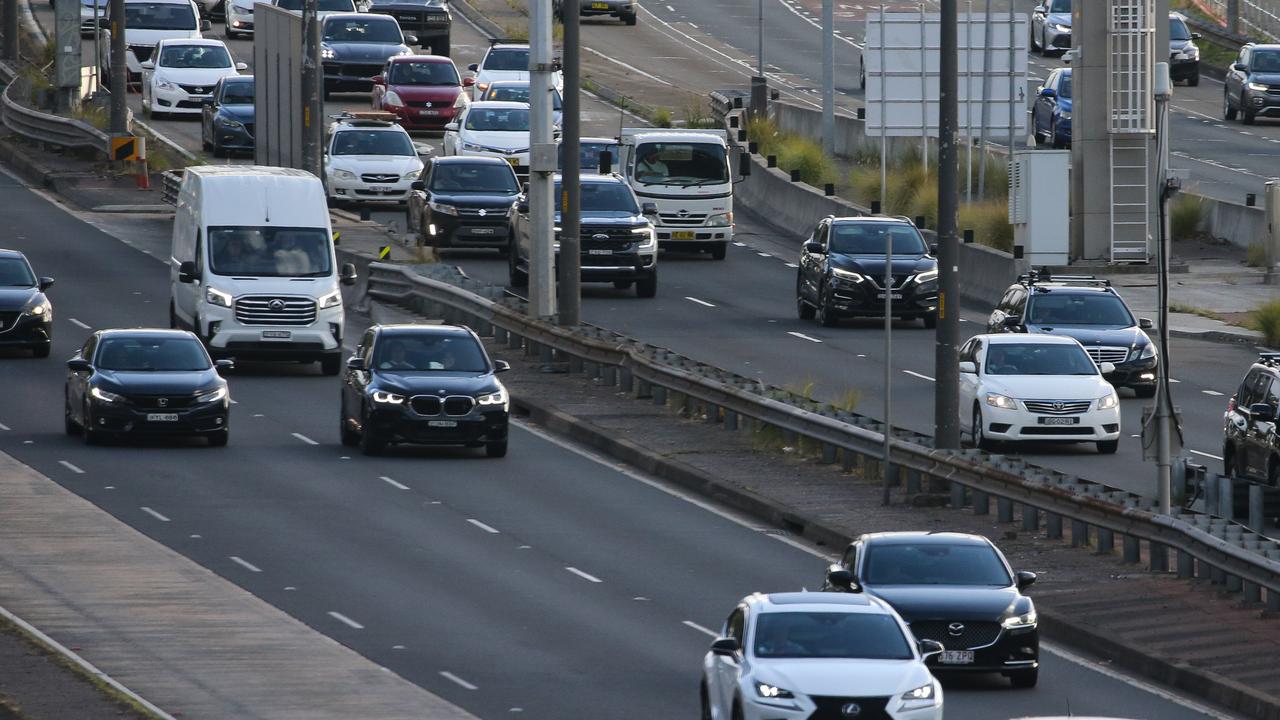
(253,270)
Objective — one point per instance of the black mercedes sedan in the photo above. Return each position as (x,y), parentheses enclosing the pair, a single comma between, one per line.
(146,382)
(355,46)
(462,201)
(425,385)
(26,317)
(955,588)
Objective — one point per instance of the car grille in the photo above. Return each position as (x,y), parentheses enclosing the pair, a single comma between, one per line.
(427,103)
(1273,90)
(454,405)
(489,213)
(197,89)
(268,310)
(1057,407)
(353,70)
(685,220)
(142,52)
(832,708)
(878,280)
(1062,41)
(617,239)
(9,319)
(425,404)
(459,405)
(379,178)
(163,402)
(1056,430)
(1108,354)
(971,635)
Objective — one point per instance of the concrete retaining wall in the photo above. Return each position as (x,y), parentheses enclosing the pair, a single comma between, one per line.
(1239,224)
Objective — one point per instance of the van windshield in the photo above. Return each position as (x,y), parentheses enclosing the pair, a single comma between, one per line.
(158,16)
(270,251)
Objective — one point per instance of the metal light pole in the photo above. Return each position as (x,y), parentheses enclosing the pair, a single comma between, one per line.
(759,84)
(828,77)
(570,264)
(10,27)
(946,413)
(542,164)
(1164,401)
(312,87)
(985,110)
(887,465)
(119,70)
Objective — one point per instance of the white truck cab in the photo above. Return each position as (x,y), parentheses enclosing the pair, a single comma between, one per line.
(147,22)
(253,270)
(686,173)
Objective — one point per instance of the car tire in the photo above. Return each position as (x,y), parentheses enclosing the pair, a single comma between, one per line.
(930,320)
(41,350)
(1273,472)
(1145,391)
(331,364)
(622,284)
(204,144)
(349,437)
(825,314)
(91,436)
(441,48)
(220,438)
(1054,142)
(370,443)
(630,19)
(70,426)
(1025,678)
(1044,43)
(719,250)
(704,701)
(496,449)
(1194,80)
(736,713)
(647,287)
(804,310)
(1108,447)
(1229,460)
(1031,41)
(1228,112)
(218,150)
(1246,116)
(173,317)
(980,440)
(517,277)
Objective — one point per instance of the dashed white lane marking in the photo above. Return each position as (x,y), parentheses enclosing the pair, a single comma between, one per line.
(3,426)
(700,302)
(482,526)
(1174,381)
(671,8)
(345,620)
(625,66)
(393,483)
(305,439)
(699,628)
(1214,393)
(584,576)
(913,373)
(802,336)
(70,467)
(1205,454)
(458,681)
(695,27)
(155,514)
(764,254)
(245,564)
(739,244)
(791,265)
(77,323)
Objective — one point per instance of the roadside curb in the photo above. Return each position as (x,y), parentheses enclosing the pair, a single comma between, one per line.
(1217,336)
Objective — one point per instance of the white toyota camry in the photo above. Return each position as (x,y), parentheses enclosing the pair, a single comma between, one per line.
(500,129)
(797,655)
(181,74)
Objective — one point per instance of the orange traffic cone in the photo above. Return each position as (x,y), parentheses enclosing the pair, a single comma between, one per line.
(143,176)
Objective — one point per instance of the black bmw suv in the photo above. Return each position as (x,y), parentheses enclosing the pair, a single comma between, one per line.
(1250,448)
(26,317)
(1089,310)
(842,269)
(427,385)
(954,588)
(462,201)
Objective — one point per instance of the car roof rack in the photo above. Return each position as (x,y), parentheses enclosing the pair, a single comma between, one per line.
(1270,359)
(365,118)
(1044,276)
(507,41)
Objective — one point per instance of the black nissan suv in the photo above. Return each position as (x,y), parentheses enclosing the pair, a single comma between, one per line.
(954,588)
(1250,448)
(462,201)
(1089,310)
(842,269)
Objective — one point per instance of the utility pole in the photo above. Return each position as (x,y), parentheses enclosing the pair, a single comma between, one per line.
(828,77)
(119,70)
(570,263)
(1164,402)
(1233,17)
(946,413)
(312,88)
(12,45)
(759,84)
(542,164)
(887,466)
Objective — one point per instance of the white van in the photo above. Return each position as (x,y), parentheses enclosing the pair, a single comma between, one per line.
(146,23)
(253,270)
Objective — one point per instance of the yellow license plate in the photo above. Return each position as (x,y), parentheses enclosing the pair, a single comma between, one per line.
(514,161)
(682,235)
(599,6)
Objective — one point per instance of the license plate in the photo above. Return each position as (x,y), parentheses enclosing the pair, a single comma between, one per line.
(277,334)
(442,423)
(956,657)
(895,296)
(482,231)
(1059,421)
(429,113)
(162,417)
(514,161)
(599,6)
(381,188)
(682,235)
(599,251)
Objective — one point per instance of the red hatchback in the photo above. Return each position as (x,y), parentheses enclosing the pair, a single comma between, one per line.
(420,90)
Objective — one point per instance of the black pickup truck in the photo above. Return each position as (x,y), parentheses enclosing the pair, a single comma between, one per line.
(429,20)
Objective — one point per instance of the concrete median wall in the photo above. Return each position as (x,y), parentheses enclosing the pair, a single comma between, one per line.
(1238,224)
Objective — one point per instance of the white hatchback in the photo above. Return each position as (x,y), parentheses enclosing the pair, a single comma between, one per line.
(1021,387)
(181,74)
(791,656)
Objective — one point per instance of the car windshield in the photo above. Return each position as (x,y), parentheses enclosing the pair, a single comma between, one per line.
(603,198)
(872,238)
(434,4)
(929,563)
(14,272)
(1267,61)
(152,354)
(1078,309)
(1039,359)
(863,636)
(361,30)
(486,178)
(1060,6)
(159,16)
(335,6)
(519,93)
(499,119)
(424,73)
(373,142)
(423,353)
(589,155)
(195,56)
(683,164)
(270,251)
(237,93)
(1178,29)
(1064,86)
(508,60)
(289,4)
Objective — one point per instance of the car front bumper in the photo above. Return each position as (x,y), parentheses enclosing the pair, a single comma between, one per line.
(1135,373)
(1014,650)
(420,118)
(240,21)
(176,100)
(469,230)
(607,7)
(804,707)
(866,299)
(1184,68)
(1021,424)
(399,423)
(677,237)
(232,137)
(357,190)
(349,77)
(226,337)
(119,417)
(625,267)
(1262,103)
(22,330)
(1057,39)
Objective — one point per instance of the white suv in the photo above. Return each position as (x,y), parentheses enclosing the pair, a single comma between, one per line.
(369,160)
(505,61)
(798,655)
(1036,388)
(181,75)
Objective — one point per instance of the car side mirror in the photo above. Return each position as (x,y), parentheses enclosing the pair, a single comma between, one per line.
(473,67)
(1039,10)
(205,26)
(1048,93)
(45,283)
(451,127)
(744,165)
(1196,36)
(469,82)
(1239,66)
(725,646)
(649,208)
(929,648)
(418,185)
(79,365)
(814,248)
(187,272)
(241,66)
(1025,579)
(1013,321)
(1107,368)
(841,578)
(355,362)
(224,366)
(522,207)
(933,248)
(501,366)
(147,65)
(970,367)
(1145,323)
(348,276)
(1262,411)
(410,39)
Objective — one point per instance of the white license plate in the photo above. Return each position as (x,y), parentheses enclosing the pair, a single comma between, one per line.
(599,251)
(956,657)
(381,188)
(1059,421)
(277,334)
(896,296)
(482,231)
(442,423)
(429,113)
(162,417)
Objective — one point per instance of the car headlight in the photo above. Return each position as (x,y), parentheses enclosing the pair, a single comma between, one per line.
(39,309)
(1108,401)
(773,692)
(495,398)
(648,238)
(344,175)
(473,147)
(1027,619)
(212,396)
(1258,87)
(442,208)
(1001,401)
(927,276)
(405,51)
(847,275)
(231,124)
(719,219)
(392,99)
(1148,351)
(333,299)
(165,85)
(1064,115)
(326,53)
(1192,53)
(482,87)
(1059,27)
(214,296)
(925,696)
(411,176)
(387,398)
(104,396)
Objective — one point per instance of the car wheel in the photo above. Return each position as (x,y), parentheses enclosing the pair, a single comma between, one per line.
(218,150)
(1025,678)
(1248,117)
(370,443)
(736,714)
(647,287)
(71,426)
(495,449)
(519,278)
(1194,79)
(1053,136)
(825,314)
(630,19)
(1044,42)
(719,250)
(980,440)
(1108,447)
(331,364)
(349,437)
(705,701)
(930,320)
(204,144)
(220,438)
(622,284)
(1145,391)
(804,310)
(1228,112)
(1032,39)
(1229,461)
(91,436)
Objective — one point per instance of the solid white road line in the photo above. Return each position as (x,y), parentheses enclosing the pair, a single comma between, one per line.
(77,323)
(913,373)
(246,565)
(584,576)
(345,620)
(1214,393)
(482,526)
(1204,454)
(802,336)
(457,680)
(155,514)
(70,467)
(625,66)
(393,483)
(699,628)
(305,439)
(700,302)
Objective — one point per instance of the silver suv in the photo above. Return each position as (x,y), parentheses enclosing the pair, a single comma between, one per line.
(624,10)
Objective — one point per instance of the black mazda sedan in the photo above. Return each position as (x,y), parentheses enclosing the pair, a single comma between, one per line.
(955,588)
(26,317)
(427,385)
(146,382)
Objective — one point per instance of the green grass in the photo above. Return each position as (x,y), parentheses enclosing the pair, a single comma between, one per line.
(806,156)
(661,118)
(764,134)
(1266,319)
(989,221)
(1186,216)
(697,114)
(1256,255)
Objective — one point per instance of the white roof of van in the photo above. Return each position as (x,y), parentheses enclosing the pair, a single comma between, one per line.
(246,170)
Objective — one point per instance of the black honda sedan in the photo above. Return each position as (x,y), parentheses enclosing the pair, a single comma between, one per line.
(955,588)
(146,382)
(427,385)
(26,317)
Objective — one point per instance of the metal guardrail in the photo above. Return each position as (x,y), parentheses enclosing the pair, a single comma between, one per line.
(52,129)
(1259,18)
(725,101)
(1224,550)
(170,186)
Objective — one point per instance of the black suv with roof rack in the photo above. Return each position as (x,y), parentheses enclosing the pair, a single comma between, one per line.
(1087,309)
(1250,448)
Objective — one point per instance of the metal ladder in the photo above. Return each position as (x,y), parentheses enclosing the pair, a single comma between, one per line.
(1130,198)
(1130,126)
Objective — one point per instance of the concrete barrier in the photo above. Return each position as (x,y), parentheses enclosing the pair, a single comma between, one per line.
(1238,224)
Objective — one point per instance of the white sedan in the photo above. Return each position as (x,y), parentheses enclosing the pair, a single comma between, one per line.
(181,74)
(797,655)
(499,129)
(1041,388)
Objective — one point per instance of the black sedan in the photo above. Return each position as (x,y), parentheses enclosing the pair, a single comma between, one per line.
(426,385)
(146,382)
(955,588)
(354,47)
(227,117)
(26,317)
(462,201)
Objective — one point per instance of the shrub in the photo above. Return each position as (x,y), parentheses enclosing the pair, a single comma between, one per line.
(805,155)
(1266,319)
(1256,255)
(1185,217)
(661,118)
(764,134)
(989,221)
(697,114)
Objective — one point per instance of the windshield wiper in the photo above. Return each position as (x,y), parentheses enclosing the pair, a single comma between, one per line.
(700,183)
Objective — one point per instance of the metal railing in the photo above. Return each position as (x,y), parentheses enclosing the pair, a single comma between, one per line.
(1224,550)
(1257,18)
(170,185)
(47,128)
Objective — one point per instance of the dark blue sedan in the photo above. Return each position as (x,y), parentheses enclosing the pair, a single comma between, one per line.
(1051,114)
(227,117)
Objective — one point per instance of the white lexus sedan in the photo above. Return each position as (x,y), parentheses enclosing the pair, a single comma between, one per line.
(1041,388)
(796,655)
(500,129)
(181,74)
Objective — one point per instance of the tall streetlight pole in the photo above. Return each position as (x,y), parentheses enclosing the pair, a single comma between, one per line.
(119,70)
(828,77)
(570,263)
(542,165)
(946,413)
(759,85)
(12,44)
(312,89)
